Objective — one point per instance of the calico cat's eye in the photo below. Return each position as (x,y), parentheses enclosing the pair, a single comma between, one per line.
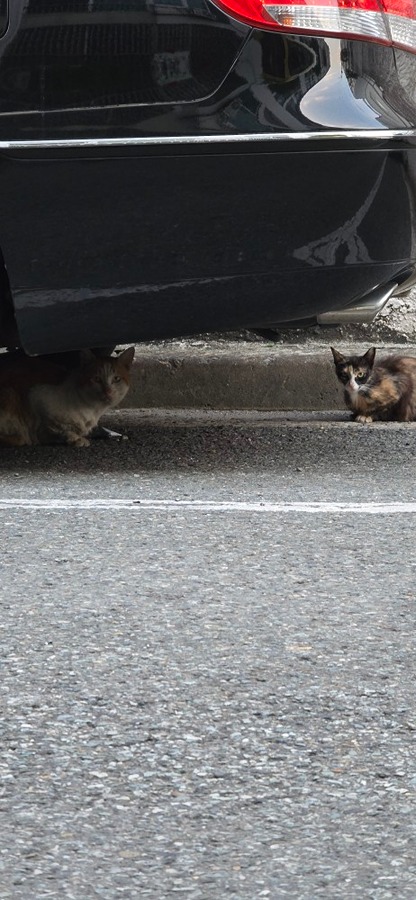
(116,379)
(361,376)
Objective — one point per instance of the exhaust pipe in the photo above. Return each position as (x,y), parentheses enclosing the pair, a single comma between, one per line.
(362,312)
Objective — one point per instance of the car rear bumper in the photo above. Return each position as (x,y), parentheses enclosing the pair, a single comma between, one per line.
(250,231)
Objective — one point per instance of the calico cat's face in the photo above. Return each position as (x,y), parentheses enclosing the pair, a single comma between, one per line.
(105,380)
(354,371)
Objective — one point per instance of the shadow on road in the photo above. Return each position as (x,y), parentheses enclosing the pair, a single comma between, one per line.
(282,446)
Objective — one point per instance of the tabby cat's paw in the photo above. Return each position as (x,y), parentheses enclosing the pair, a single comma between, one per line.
(77,441)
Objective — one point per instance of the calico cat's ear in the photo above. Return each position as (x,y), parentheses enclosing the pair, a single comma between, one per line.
(369,356)
(126,357)
(338,357)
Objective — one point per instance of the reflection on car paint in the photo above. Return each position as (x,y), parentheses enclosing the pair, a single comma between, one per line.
(331,103)
(104,54)
(343,245)
(171,67)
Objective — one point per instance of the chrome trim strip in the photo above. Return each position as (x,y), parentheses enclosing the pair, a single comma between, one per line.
(379,134)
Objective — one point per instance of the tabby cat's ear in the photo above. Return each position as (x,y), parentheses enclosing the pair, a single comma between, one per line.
(338,357)
(86,357)
(369,356)
(126,357)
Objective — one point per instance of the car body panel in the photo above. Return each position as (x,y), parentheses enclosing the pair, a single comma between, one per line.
(256,82)
(274,182)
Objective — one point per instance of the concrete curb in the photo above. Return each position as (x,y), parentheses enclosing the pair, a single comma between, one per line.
(238,375)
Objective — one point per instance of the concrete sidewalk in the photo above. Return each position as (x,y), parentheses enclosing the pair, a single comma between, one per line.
(243,371)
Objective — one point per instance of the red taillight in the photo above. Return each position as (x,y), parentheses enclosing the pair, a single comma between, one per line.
(390,22)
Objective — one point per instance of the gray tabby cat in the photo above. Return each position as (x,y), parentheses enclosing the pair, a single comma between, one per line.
(41,403)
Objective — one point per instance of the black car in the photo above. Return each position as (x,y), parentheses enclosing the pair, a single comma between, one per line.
(172,167)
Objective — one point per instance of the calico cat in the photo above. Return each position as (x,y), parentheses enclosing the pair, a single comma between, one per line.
(42,403)
(382,392)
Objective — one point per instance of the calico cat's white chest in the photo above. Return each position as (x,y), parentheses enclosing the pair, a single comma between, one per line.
(355,394)
(352,386)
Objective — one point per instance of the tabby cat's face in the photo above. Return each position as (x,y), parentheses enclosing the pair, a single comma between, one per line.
(105,384)
(354,371)
(106,380)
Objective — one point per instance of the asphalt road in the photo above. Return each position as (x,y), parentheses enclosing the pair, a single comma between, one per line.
(208,658)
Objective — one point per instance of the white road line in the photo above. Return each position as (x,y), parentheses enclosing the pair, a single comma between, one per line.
(217,506)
